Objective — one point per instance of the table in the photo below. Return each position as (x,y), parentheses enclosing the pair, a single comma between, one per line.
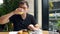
(43,32)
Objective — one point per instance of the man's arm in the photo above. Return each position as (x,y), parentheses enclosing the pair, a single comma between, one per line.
(37,26)
(32,27)
(5,18)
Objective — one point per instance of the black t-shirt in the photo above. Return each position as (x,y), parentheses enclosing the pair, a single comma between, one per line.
(19,23)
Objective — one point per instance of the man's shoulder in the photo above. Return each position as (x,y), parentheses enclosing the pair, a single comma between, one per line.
(13,16)
(30,15)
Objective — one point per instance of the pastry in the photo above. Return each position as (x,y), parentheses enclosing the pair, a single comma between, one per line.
(20,32)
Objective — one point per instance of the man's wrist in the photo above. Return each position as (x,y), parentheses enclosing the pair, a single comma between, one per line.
(35,29)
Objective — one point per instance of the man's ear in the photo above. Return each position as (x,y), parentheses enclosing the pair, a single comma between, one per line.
(27,8)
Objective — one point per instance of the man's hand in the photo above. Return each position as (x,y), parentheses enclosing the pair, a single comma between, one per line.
(31,27)
(19,11)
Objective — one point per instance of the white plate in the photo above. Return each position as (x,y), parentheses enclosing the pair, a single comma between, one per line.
(36,32)
(13,32)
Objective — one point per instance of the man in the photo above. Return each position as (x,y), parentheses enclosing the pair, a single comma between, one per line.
(20,18)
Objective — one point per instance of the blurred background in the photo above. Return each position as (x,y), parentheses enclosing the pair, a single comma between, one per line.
(54,15)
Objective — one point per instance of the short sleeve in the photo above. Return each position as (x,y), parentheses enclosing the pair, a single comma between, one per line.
(11,19)
(33,20)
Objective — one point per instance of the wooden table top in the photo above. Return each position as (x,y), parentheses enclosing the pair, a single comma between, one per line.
(44,32)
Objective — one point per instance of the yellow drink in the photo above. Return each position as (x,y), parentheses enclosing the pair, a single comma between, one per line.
(21,13)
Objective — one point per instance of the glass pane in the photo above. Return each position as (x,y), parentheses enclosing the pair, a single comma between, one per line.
(54,15)
(1,2)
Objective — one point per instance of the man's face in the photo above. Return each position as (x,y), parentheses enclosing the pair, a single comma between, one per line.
(24,6)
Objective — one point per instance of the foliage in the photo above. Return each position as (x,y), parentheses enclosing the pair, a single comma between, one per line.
(58,24)
(6,7)
(51,5)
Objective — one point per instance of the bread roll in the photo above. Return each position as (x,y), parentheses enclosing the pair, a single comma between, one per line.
(21,13)
(20,32)
(25,32)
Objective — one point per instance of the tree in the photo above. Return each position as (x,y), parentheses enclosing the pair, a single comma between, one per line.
(6,7)
(58,26)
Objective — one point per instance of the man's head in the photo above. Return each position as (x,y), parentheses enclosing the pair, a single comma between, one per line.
(24,5)
(24,2)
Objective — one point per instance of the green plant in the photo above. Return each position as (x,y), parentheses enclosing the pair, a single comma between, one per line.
(6,7)
(58,25)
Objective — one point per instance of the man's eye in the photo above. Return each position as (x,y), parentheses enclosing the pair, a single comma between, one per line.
(23,8)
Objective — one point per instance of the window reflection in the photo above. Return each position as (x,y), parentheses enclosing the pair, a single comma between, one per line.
(54,15)
(1,1)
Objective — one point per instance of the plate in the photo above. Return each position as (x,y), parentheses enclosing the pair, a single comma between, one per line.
(13,32)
